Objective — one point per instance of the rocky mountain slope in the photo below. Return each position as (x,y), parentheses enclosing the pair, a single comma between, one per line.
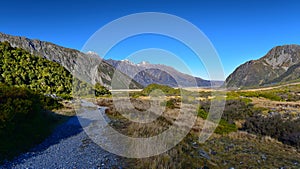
(86,66)
(146,73)
(280,64)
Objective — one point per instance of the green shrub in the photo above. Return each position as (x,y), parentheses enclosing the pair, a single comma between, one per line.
(171,103)
(275,126)
(24,121)
(101,90)
(169,91)
(202,113)
(223,127)
(50,103)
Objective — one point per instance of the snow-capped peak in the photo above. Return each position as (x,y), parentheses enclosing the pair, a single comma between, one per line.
(127,61)
(93,54)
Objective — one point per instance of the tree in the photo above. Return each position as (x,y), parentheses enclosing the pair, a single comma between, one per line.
(101,90)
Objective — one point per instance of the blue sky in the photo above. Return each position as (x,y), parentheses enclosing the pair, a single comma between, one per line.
(240,30)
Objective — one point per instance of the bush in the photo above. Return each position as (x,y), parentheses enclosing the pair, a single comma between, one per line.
(237,109)
(275,126)
(49,103)
(202,113)
(171,103)
(23,119)
(169,91)
(223,127)
(101,90)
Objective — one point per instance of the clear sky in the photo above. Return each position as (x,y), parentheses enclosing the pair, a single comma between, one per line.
(240,30)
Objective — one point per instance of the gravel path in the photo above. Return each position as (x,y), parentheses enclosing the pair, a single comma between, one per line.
(67,147)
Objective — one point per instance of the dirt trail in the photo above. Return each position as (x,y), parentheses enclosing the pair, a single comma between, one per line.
(68,147)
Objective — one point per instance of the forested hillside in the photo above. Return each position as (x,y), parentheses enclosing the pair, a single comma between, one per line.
(24,81)
(20,68)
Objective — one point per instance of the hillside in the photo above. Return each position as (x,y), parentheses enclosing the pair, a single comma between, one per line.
(146,73)
(20,68)
(280,64)
(82,65)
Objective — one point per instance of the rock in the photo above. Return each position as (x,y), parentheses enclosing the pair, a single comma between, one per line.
(263,157)
(195,145)
(203,154)
(212,152)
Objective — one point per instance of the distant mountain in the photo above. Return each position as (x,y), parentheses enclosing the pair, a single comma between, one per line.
(88,66)
(280,64)
(146,73)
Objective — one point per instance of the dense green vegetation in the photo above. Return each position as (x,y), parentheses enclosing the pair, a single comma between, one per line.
(168,91)
(224,127)
(24,81)
(157,89)
(20,68)
(234,110)
(101,90)
(286,131)
(170,103)
(24,119)
(283,128)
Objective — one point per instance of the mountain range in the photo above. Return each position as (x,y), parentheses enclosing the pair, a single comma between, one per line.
(146,73)
(280,64)
(92,68)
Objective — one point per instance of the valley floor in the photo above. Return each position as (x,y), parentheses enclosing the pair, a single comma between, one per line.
(70,147)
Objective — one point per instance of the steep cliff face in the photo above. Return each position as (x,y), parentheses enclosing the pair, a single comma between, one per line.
(146,73)
(86,66)
(280,64)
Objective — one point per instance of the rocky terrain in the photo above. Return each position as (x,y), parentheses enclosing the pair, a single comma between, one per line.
(87,67)
(146,73)
(280,64)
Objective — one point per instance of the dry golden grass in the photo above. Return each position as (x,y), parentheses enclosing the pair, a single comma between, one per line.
(291,109)
(237,149)
(270,88)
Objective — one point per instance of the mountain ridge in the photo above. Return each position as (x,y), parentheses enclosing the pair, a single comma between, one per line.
(280,64)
